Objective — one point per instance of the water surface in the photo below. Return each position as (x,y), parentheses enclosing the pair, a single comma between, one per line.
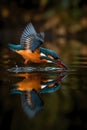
(64,109)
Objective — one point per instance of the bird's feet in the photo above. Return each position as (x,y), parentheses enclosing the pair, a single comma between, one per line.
(61,65)
(26,75)
(26,62)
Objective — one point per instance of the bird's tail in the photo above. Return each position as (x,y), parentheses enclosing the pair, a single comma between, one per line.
(14,47)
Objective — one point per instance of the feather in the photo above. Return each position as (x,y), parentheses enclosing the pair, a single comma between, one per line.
(31,103)
(52,89)
(27,36)
(30,39)
(14,47)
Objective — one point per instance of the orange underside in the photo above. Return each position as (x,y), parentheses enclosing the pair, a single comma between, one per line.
(31,81)
(27,84)
(31,56)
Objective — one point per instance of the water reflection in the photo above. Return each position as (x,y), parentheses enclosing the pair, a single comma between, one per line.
(64,109)
(32,86)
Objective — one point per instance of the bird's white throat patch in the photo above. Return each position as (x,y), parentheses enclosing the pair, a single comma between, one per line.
(42,54)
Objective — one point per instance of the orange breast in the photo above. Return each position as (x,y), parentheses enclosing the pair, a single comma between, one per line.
(31,56)
(30,81)
(27,84)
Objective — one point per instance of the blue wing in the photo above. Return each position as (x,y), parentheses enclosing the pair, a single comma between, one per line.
(49,52)
(30,39)
(31,103)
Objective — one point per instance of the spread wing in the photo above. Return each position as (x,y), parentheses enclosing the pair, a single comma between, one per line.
(31,103)
(29,38)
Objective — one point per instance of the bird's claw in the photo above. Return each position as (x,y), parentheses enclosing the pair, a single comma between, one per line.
(26,62)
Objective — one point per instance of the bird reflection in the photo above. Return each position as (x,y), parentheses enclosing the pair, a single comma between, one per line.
(31,88)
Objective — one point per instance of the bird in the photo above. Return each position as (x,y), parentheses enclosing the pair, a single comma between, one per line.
(30,48)
(32,86)
(28,90)
(53,85)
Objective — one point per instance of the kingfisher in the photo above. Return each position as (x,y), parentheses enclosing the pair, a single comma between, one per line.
(28,91)
(30,48)
(32,86)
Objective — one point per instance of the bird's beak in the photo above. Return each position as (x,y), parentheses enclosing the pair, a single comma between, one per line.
(61,65)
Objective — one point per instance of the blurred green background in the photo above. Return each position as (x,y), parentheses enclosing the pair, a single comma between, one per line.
(65,25)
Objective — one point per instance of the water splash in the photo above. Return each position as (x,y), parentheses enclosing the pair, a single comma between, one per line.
(17,69)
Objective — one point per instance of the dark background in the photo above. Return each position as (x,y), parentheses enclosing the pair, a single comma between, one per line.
(65,25)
